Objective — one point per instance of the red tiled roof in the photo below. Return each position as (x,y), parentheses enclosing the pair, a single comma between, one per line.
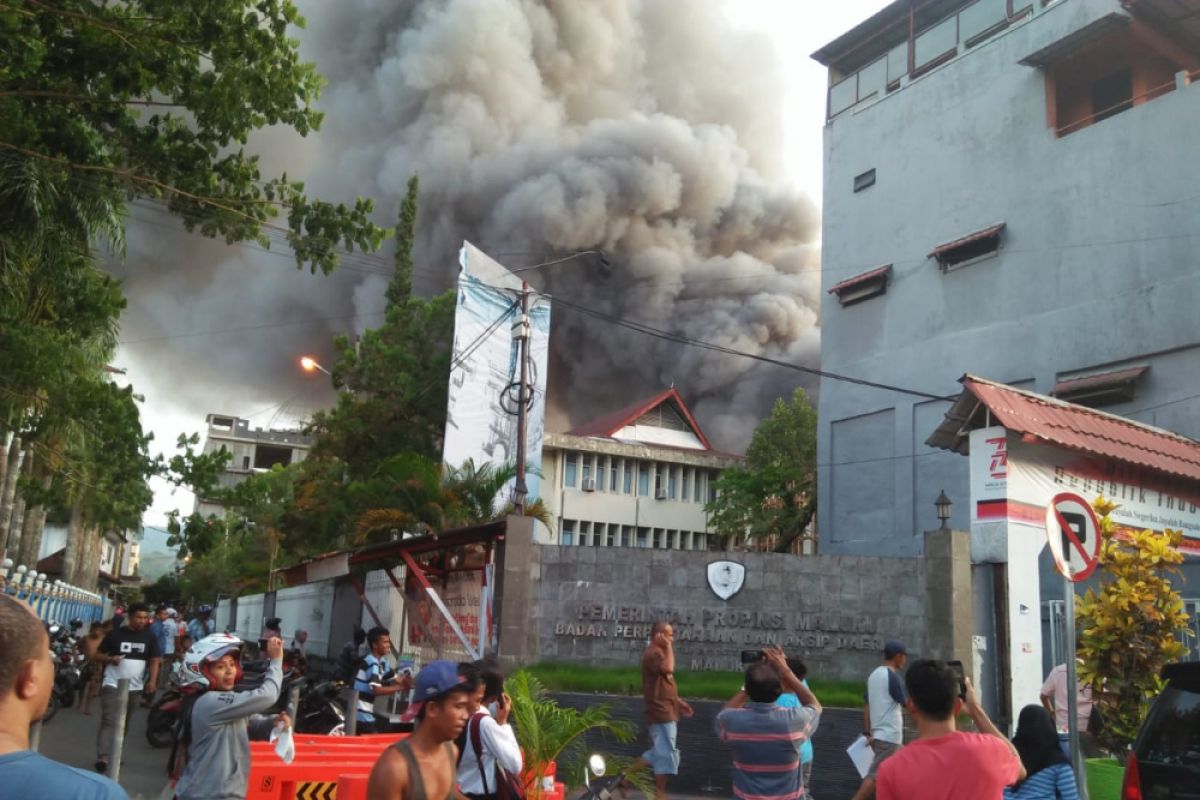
(1102,380)
(992,230)
(857,280)
(1072,426)
(609,424)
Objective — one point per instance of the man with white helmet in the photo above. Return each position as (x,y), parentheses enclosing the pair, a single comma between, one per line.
(220,722)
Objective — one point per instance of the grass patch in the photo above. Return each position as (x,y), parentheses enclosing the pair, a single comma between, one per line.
(1104,776)
(559,677)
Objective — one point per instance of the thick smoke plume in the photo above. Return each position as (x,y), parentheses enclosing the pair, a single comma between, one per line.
(648,130)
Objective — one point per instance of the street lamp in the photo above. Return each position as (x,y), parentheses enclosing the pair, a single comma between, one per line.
(309,364)
(942,504)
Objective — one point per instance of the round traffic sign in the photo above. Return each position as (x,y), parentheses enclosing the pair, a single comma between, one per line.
(1074,535)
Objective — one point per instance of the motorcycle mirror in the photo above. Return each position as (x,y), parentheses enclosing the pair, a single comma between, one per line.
(597,764)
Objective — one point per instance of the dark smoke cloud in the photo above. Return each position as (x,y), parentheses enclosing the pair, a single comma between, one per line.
(650,130)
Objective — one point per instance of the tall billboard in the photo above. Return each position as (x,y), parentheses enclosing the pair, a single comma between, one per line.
(481,422)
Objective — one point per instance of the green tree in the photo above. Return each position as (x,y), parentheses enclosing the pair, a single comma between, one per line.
(773,497)
(107,103)
(396,375)
(1130,628)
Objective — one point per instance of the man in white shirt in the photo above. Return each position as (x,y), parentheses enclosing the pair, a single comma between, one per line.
(883,724)
(488,740)
(130,651)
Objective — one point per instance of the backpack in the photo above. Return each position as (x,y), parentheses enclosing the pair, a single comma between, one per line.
(507,786)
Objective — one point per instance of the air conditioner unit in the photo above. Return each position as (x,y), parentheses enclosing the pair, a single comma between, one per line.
(660,494)
(589,484)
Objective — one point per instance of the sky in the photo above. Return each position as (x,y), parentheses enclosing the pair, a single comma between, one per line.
(795,29)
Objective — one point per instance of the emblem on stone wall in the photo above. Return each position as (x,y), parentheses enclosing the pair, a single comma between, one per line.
(725,578)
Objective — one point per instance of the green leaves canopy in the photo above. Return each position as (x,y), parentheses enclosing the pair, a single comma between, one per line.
(774,495)
(156,99)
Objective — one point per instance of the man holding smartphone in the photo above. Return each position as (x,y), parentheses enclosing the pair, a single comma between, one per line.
(662,704)
(376,678)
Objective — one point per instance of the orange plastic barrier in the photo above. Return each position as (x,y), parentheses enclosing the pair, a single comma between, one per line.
(320,763)
(352,787)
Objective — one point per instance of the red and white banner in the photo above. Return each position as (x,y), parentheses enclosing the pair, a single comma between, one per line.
(1014,481)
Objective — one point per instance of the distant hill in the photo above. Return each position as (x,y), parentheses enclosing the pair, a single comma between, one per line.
(157,558)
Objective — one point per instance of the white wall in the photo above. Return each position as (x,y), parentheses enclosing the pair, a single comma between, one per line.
(249,617)
(309,606)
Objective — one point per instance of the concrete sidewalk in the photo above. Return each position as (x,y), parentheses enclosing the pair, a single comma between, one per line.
(71,738)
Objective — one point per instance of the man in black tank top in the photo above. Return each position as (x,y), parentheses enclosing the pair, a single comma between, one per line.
(422,766)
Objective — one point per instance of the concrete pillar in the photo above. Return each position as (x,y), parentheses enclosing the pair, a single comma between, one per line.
(949,619)
(518,568)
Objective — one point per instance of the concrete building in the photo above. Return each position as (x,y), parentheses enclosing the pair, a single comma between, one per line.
(1010,191)
(638,477)
(251,450)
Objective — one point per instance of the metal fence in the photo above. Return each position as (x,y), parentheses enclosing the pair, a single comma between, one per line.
(1053,624)
(52,601)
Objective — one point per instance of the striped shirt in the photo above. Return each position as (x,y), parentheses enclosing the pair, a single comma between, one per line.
(1052,783)
(766,741)
(372,669)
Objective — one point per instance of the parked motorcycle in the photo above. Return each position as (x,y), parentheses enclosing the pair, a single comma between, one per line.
(68,663)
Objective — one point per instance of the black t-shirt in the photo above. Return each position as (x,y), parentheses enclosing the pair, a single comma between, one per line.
(136,649)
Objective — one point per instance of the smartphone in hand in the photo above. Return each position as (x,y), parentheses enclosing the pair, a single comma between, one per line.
(957,666)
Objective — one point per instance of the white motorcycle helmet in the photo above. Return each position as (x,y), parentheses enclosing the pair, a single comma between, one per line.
(200,656)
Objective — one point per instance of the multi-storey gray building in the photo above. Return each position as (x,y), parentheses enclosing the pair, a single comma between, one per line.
(251,450)
(1011,190)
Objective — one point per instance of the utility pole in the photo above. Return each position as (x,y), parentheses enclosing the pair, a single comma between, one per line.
(521,331)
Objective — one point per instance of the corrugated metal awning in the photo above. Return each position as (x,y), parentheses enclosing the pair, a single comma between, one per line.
(1057,422)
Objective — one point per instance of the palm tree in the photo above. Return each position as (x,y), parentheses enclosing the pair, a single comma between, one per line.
(550,733)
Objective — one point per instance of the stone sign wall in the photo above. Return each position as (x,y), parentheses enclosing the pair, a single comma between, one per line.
(596,605)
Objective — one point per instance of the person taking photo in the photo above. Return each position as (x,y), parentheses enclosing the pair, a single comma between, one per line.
(219,723)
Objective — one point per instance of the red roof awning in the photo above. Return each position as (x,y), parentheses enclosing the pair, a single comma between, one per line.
(942,249)
(1103,380)
(1068,425)
(862,279)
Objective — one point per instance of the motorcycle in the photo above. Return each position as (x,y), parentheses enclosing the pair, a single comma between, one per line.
(68,663)
(163,718)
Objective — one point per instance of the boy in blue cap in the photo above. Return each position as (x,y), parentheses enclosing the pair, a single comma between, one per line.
(423,766)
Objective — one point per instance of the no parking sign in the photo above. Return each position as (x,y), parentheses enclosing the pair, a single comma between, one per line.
(1074,535)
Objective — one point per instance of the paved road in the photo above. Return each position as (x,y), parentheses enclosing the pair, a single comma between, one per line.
(71,738)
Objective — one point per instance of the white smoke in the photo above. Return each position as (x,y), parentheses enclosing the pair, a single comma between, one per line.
(649,130)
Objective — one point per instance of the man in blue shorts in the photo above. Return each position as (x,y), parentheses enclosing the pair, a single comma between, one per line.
(663,705)
(26,681)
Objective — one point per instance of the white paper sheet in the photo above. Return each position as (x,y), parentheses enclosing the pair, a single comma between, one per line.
(861,754)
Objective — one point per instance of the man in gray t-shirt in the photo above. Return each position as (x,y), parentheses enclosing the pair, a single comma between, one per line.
(883,724)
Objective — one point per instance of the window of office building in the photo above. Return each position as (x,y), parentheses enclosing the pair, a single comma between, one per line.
(587,468)
(643,535)
(612,475)
(627,476)
(671,472)
(570,469)
(684,491)
(568,531)
(610,536)
(643,479)
(626,536)
(712,487)
(698,486)
(1107,68)
(602,473)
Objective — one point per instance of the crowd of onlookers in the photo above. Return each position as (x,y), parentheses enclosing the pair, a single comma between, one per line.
(459,717)
(768,725)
